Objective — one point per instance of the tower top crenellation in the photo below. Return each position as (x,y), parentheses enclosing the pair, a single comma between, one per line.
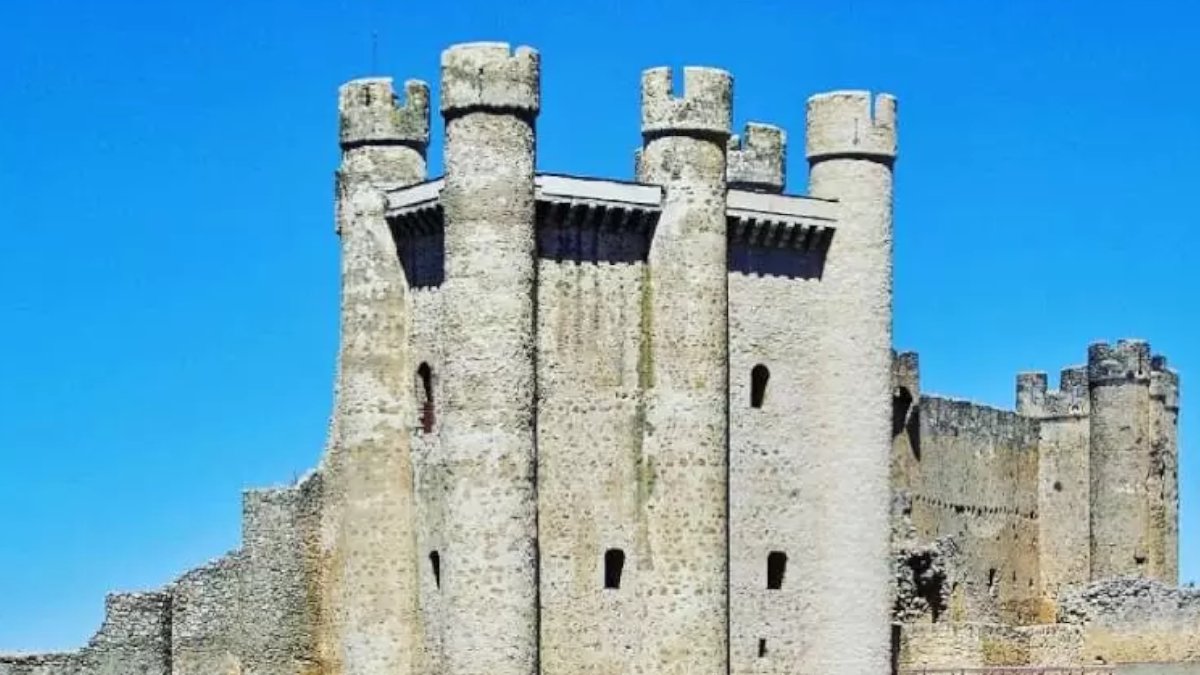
(756,160)
(1036,399)
(1125,361)
(1164,382)
(845,124)
(490,76)
(703,108)
(370,113)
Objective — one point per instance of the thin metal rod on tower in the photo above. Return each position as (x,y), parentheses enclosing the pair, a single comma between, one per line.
(374,51)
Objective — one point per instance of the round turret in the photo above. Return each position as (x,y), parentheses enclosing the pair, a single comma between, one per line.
(488,559)
(1120,458)
(683,593)
(851,154)
(843,124)
(372,549)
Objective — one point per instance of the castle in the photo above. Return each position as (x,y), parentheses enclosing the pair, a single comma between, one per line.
(656,426)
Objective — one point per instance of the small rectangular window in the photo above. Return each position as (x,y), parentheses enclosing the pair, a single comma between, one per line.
(759,376)
(776,568)
(614,566)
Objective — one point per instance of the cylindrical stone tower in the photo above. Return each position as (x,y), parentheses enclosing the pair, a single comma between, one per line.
(851,147)
(1119,381)
(490,99)
(1164,471)
(682,562)
(368,528)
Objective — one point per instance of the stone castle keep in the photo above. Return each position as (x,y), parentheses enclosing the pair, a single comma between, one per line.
(655,426)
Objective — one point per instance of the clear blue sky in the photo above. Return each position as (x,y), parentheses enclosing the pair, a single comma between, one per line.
(168,268)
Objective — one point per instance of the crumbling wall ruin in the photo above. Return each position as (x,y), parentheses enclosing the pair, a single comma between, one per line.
(973,480)
(133,640)
(252,610)
(1131,619)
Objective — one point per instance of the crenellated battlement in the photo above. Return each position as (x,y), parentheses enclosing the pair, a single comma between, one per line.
(1071,399)
(370,113)
(1125,361)
(1031,393)
(756,160)
(845,124)
(906,373)
(1036,399)
(1164,383)
(490,76)
(703,108)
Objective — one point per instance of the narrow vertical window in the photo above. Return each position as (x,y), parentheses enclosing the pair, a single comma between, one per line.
(776,568)
(435,562)
(614,565)
(425,373)
(762,647)
(759,375)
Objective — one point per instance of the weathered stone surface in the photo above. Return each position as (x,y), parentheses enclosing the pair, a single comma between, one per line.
(1131,619)
(489,563)
(757,160)
(849,386)
(682,564)
(593,426)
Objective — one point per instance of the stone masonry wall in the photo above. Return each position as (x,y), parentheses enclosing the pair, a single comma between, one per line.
(279,586)
(429,468)
(774,333)
(774,507)
(1063,474)
(979,645)
(592,479)
(254,610)
(973,477)
(206,625)
(1135,620)
(135,639)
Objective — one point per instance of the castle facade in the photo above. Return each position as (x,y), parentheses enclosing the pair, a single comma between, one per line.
(654,426)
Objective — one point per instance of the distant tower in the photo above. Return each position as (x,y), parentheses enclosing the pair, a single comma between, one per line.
(684,583)
(1119,380)
(490,99)
(371,592)
(1063,475)
(1163,487)
(851,147)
